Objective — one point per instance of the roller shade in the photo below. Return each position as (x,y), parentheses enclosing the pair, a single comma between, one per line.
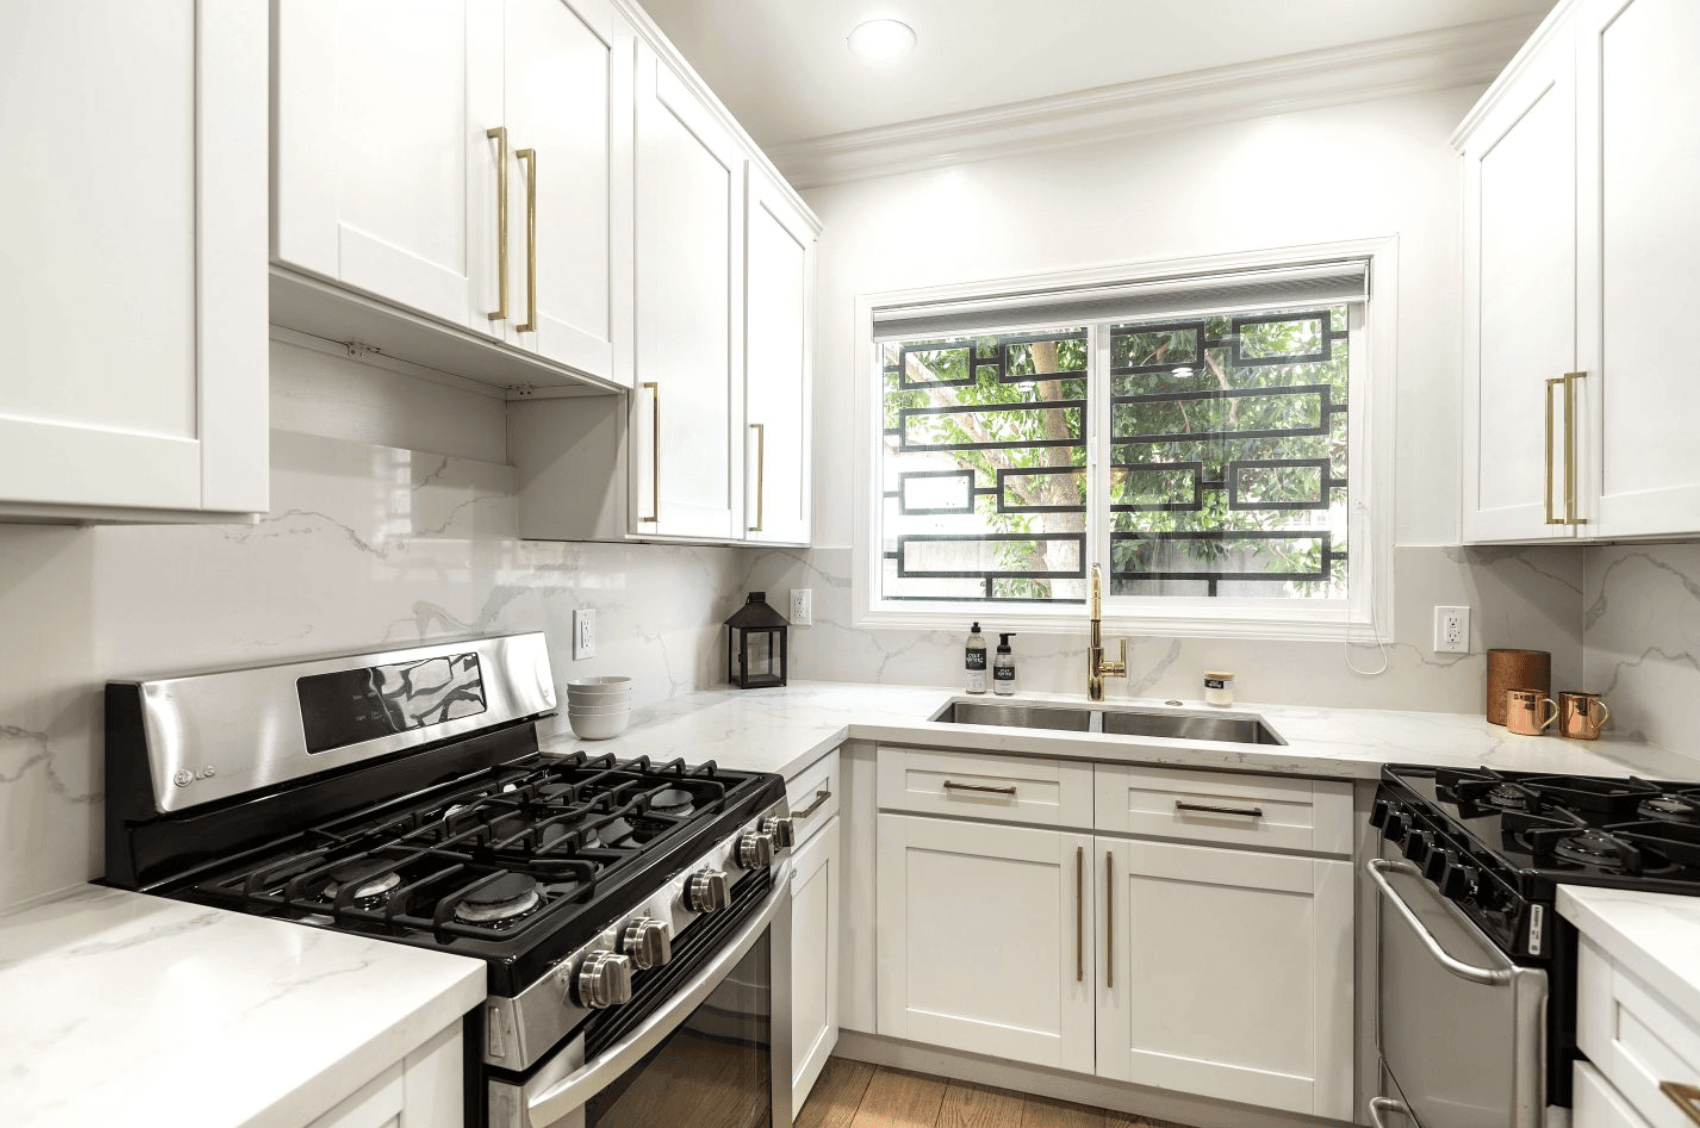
(1312,284)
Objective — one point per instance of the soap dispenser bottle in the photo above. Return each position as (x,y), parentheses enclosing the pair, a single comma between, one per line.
(1003,668)
(976,660)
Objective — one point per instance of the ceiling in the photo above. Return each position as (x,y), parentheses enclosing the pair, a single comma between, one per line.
(782,67)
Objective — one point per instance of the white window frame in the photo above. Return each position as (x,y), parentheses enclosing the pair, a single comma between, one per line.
(1367,613)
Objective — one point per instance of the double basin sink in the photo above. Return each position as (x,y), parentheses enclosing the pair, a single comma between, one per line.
(1175,725)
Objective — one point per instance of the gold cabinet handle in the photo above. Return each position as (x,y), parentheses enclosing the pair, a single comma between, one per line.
(500,133)
(654,454)
(761,471)
(529,156)
(820,798)
(952,785)
(1546,483)
(1570,517)
(1685,1097)
(1109,919)
(1079,913)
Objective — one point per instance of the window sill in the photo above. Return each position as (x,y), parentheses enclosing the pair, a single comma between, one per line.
(1316,625)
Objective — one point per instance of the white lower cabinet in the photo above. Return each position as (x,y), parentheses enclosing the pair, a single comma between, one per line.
(983,943)
(815,892)
(1226,973)
(424,1090)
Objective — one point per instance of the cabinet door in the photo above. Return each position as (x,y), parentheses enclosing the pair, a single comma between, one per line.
(815,895)
(132,243)
(384,177)
(567,74)
(778,314)
(1520,303)
(689,304)
(983,938)
(1639,237)
(1226,973)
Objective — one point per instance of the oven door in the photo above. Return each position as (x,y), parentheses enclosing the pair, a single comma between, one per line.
(715,1054)
(1461,1028)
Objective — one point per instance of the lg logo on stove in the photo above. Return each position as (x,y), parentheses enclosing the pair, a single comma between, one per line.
(185,777)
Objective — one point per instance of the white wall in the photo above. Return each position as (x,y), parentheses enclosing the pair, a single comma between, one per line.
(1346,173)
(378,535)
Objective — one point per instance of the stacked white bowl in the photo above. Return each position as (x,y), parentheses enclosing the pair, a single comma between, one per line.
(599,708)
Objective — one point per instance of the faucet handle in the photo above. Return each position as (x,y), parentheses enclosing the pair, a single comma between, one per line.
(1116,669)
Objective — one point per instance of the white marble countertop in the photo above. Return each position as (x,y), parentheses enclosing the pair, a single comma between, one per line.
(1651,934)
(122,1008)
(784,730)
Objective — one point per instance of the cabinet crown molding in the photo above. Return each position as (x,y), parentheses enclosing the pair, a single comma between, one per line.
(1443,59)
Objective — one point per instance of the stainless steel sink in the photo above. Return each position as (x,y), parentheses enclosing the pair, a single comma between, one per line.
(1178,725)
(1189,726)
(1018,716)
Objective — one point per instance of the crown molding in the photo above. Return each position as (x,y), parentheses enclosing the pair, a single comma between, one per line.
(1470,54)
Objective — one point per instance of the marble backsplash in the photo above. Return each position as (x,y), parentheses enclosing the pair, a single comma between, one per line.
(1641,629)
(366,545)
(1525,597)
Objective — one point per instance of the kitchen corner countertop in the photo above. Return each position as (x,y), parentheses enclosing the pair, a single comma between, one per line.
(784,730)
(1651,934)
(123,1008)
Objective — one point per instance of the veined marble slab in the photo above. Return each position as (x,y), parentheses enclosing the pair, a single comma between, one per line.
(785,730)
(123,1008)
(1652,934)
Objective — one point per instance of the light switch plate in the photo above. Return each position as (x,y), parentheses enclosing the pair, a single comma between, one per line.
(584,633)
(802,607)
(1451,630)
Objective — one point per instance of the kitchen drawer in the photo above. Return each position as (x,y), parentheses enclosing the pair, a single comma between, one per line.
(1596,1104)
(972,785)
(1634,1038)
(813,794)
(1275,812)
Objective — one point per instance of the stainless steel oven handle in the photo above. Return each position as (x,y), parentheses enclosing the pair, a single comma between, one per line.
(572,1091)
(1379,1105)
(1377,868)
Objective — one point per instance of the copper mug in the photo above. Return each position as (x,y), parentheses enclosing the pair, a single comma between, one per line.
(1523,707)
(1581,715)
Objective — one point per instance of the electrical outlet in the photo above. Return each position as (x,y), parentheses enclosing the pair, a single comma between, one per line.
(802,607)
(1451,630)
(584,633)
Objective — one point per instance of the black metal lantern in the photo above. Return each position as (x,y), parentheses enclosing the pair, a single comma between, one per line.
(756,645)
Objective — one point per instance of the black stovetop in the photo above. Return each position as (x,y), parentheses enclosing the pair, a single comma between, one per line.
(519,864)
(1498,843)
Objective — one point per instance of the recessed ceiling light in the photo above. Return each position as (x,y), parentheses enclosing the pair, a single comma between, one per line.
(881,39)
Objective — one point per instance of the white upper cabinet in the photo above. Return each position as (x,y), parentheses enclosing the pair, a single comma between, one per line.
(465,161)
(1639,236)
(1520,302)
(689,423)
(1580,239)
(132,241)
(778,298)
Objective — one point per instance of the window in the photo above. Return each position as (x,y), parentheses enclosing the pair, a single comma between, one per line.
(1200,437)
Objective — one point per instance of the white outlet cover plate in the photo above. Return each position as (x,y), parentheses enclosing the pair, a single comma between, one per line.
(1451,630)
(802,607)
(584,633)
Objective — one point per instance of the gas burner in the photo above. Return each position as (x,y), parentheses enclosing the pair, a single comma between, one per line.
(675,802)
(369,878)
(614,832)
(1678,808)
(509,896)
(1506,797)
(1599,849)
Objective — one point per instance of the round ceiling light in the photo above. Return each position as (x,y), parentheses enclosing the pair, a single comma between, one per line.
(881,39)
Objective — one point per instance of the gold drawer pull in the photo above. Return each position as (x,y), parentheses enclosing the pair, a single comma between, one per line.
(1685,1097)
(1205,808)
(500,133)
(654,454)
(952,785)
(529,156)
(761,471)
(820,798)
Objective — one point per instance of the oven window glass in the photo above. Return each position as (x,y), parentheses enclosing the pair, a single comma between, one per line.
(714,1071)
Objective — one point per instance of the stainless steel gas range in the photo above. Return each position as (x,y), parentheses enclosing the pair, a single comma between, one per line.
(634,917)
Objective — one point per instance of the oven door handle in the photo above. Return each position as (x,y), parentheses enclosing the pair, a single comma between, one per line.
(1379,1105)
(1378,868)
(575,1089)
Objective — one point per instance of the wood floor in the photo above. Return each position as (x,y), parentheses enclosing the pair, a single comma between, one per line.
(853,1094)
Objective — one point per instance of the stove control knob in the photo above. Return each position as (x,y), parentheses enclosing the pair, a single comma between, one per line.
(604,979)
(706,891)
(755,851)
(647,941)
(1459,880)
(1417,845)
(1378,814)
(1393,827)
(1434,865)
(782,830)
